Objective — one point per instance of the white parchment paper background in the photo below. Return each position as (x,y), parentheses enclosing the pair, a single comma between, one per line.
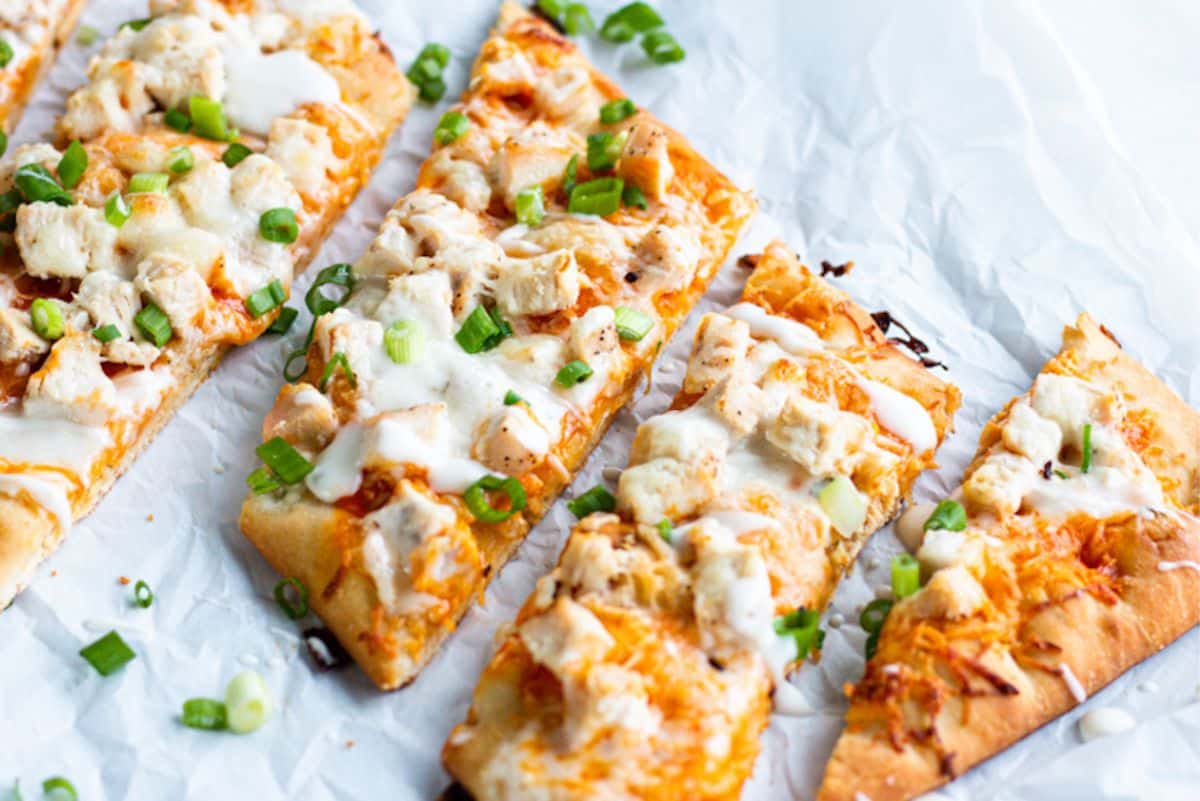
(992,169)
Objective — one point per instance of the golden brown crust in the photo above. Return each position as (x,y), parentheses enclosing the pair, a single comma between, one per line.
(1092,596)
(18,87)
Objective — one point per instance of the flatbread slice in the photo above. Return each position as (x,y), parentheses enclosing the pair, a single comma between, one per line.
(646,664)
(1080,557)
(120,293)
(481,347)
(31,32)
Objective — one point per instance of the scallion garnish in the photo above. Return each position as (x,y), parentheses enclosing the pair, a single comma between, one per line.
(116,210)
(295,606)
(182,159)
(628,21)
(479,332)
(38,185)
(335,361)
(3,143)
(266,299)
(148,182)
(336,275)
(208,118)
(6,53)
(135,24)
(204,713)
(481,508)
(107,654)
(577,19)
(295,366)
(570,175)
(283,323)
(601,197)
(906,575)
(404,341)
(1085,463)
(948,515)
(632,196)
(572,373)
(143,596)
(426,71)
(450,127)
(72,165)
(632,325)
(617,110)
(1061,474)
(871,620)
(662,48)
(666,530)
(177,120)
(87,35)
(106,333)
(57,788)
(154,325)
(597,499)
(261,481)
(284,460)
(552,8)
(603,150)
(511,398)
(279,225)
(531,208)
(247,702)
(235,154)
(802,626)
(48,321)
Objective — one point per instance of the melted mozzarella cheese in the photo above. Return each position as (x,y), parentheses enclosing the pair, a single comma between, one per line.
(263,86)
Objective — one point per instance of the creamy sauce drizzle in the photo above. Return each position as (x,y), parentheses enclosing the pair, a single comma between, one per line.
(262,87)
(1183,564)
(1072,682)
(1104,722)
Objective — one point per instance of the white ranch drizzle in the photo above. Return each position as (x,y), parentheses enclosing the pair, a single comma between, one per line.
(1104,722)
(901,415)
(1182,564)
(47,493)
(1102,492)
(262,87)
(1072,682)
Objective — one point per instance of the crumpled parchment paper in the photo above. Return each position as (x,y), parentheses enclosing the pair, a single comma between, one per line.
(991,168)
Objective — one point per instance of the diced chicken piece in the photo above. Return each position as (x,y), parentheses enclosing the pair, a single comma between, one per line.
(305,152)
(951,594)
(665,488)
(942,548)
(472,265)
(1029,434)
(435,222)
(393,532)
(566,638)
(116,101)
(157,226)
(181,58)
(820,438)
(64,241)
(607,697)
(1000,484)
(1071,403)
(514,442)
(175,288)
(594,334)
(109,300)
(646,160)
(538,285)
(506,73)
(667,258)
(258,184)
(204,197)
(595,239)
(691,436)
(71,383)
(134,352)
(533,157)
(391,252)
(391,435)
(303,416)
(462,181)
(737,402)
(534,358)
(342,332)
(731,592)
(18,341)
(568,94)
(425,297)
(721,346)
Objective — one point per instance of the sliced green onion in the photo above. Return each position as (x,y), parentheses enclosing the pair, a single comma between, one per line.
(154,325)
(948,515)
(628,21)
(3,143)
(38,185)
(506,330)
(182,159)
(116,210)
(604,149)
(874,614)
(6,53)
(662,48)
(577,19)
(72,165)
(1086,463)
(423,70)
(338,275)
(284,460)
(632,196)
(432,90)
(266,299)
(511,398)
(106,333)
(597,499)
(906,575)
(552,8)
(291,373)
(531,208)
(404,341)
(107,654)
(803,626)
(177,120)
(336,361)
(293,609)
(261,481)
(57,788)
(601,197)
(426,71)
(279,225)
(135,24)
(10,201)
(570,175)
(844,505)
(450,127)
(617,110)
(437,52)
(87,35)
(208,118)
(632,325)
(572,373)
(247,702)
(666,530)
(479,332)
(481,508)
(148,182)
(143,596)
(1061,474)
(235,154)
(204,713)
(48,320)
(283,322)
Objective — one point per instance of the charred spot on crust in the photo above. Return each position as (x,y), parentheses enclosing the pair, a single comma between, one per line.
(1046,468)
(1104,330)
(748,262)
(631,277)
(836,270)
(324,649)
(914,344)
(537,11)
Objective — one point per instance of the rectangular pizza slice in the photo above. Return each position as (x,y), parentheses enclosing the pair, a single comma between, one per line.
(505,312)
(646,664)
(31,34)
(208,156)
(1070,553)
